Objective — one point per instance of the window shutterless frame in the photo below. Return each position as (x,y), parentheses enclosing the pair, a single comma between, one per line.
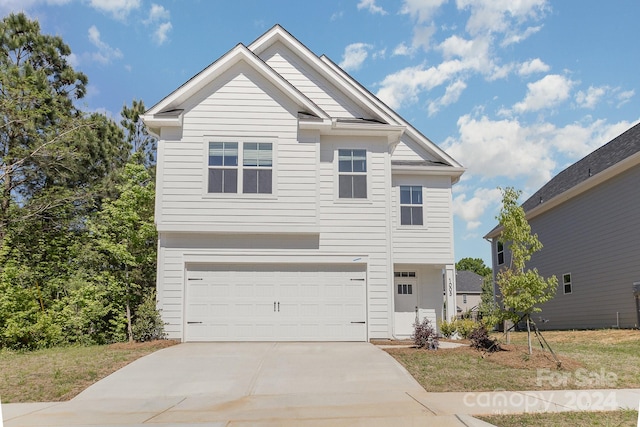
(566,283)
(239,167)
(352,174)
(411,205)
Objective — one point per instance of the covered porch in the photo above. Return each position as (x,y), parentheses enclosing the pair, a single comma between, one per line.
(422,291)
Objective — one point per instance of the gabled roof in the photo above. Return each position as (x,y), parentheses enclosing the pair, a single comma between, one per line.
(468,282)
(156,115)
(332,72)
(613,158)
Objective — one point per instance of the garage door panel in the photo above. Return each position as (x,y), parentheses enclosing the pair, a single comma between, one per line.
(275,302)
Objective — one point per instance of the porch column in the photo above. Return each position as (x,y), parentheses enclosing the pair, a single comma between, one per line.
(450,291)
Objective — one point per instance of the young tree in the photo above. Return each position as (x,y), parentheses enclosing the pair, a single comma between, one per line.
(521,289)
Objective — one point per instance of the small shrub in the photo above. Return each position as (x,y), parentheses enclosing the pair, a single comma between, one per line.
(465,327)
(147,325)
(447,328)
(425,336)
(480,340)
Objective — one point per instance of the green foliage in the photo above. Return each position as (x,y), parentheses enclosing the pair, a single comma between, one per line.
(521,290)
(148,325)
(424,335)
(488,309)
(473,264)
(463,327)
(447,328)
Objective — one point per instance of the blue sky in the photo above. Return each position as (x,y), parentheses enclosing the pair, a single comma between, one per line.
(515,90)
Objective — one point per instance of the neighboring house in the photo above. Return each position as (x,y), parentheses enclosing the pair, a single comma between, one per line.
(469,291)
(588,220)
(293,205)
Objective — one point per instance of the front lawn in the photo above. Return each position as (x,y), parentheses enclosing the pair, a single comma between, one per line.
(58,374)
(590,359)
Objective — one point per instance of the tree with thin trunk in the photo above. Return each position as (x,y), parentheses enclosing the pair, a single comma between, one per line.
(522,290)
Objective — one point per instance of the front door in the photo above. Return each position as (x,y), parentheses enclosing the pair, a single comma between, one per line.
(406,302)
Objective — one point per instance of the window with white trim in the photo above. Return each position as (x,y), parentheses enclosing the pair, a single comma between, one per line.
(411,205)
(566,282)
(223,167)
(246,165)
(258,163)
(352,174)
(500,253)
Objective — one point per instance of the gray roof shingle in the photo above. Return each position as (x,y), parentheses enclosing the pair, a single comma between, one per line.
(468,282)
(618,149)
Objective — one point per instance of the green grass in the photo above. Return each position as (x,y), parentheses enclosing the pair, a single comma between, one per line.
(623,418)
(592,359)
(58,374)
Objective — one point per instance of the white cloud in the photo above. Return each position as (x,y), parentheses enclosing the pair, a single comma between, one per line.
(105,53)
(422,36)
(591,97)
(402,50)
(547,92)
(502,148)
(508,149)
(158,13)
(500,16)
(405,85)
(451,95)
(624,97)
(371,6)
(354,55)
(516,37)
(120,9)
(471,210)
(534,66)
(160,34)
(421,10)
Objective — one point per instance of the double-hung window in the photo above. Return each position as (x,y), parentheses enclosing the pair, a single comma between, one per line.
(235,165)
(500,252)
(223,167)
(411,205)
(257,172)
(566,282)
(352,174)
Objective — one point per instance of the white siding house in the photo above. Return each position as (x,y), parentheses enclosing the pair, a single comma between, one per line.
(283,210)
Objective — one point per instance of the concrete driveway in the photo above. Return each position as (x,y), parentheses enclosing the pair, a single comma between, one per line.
(247,384)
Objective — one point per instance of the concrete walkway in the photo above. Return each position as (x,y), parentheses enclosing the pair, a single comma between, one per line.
(283,384)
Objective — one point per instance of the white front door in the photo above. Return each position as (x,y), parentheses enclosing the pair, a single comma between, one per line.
(406,302)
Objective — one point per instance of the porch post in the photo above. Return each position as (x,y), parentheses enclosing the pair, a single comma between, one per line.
(450,291)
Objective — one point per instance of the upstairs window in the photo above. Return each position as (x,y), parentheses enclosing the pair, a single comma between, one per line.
(566,282)
(257,173)
(223,167)
(500,253)
(352,174)
(410,205)
(245,165)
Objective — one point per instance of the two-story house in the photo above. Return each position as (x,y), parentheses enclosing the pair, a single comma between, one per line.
(588,220)
(292,204)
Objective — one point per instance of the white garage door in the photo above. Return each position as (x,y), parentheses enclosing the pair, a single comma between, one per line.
(293,302)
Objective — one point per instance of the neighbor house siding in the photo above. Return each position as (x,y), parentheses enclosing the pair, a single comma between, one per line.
(432,242)
(595,237)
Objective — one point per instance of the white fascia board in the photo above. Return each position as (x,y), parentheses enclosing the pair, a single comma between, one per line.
(235,55)
(454,172)
(334,127)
